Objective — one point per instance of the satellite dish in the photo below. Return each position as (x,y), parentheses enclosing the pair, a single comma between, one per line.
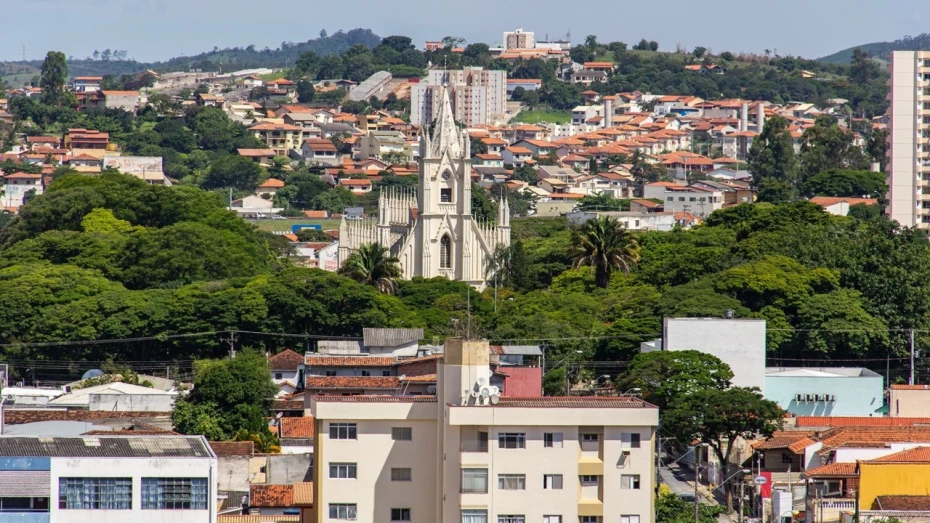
(485,393)
(481,381)
(475,393)
(279,415)
(93,373)
(495,390)
(402,377)
(495,399)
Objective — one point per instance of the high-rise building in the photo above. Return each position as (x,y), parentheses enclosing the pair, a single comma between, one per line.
(470,455)
(518,39)
(909,139)
(478,96)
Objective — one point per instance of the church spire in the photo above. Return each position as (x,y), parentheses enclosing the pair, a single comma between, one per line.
(446,137)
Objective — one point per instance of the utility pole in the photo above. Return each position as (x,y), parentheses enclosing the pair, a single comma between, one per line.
(697,477)
(911,382)
(231,340)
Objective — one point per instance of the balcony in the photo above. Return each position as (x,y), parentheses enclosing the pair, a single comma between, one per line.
(24,517)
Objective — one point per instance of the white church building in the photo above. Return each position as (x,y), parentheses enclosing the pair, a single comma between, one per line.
(433,232)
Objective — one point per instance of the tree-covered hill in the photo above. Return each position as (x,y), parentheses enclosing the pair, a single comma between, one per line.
(881,50)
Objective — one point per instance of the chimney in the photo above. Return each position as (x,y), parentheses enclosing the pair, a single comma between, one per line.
(760,118)
(608,113)
(744,117)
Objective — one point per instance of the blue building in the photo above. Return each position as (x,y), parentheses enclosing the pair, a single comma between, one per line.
(825,391)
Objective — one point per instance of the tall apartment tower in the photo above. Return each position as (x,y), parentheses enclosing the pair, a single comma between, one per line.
(478,96)
(909,162)
(518,39)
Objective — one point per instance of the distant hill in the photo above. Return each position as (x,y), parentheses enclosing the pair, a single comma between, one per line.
(229,59)
(881,49)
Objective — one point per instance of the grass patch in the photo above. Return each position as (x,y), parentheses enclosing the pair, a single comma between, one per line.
(544,116)
(277,75)
(285,225)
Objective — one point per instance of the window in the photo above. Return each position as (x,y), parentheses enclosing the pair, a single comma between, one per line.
(174,493)
(552,519)
(343,470)
(366,373)
(401,433)
(552,440)
(680,199)
(278,375)
(691,199)
(400,514)
(445,195)
(588,519)
(474,516)
(629,519)
(630,440)
(330,373)
(670,199)
(445,252)
(629,482)
(552,481)
(95,493)
(511,519)
(401,474)
(385,373)
(590,438)
(786,458)
(475,481)
(589,480)
(342,431)
(342,511)
(511,481)
(511,440)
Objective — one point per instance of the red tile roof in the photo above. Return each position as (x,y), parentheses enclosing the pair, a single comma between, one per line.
(902,503)
(350,361)
(272,496)
(376,399)
(353,382)
(914,455)
(297,427)
(831,470)
(285,360)
(426,378)
(232,448)
(303,493)
(826,201)
(858,421)
(255,153)
(910,387)
(275,127)
(316,214)
(354,182)
(786,440)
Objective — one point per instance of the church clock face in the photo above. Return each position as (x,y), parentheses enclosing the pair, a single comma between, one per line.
(446,175)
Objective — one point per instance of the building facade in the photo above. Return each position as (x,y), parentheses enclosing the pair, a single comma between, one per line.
(835,391)
(518,39)
(432,232)
(909,152)
(468,455)
(477,96)
(101,479)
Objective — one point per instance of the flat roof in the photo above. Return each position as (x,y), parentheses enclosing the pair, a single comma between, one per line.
(106,447)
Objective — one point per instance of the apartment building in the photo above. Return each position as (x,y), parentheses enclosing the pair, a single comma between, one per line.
(909,138)
(478,96)
(518,39)
(469,455)
(104,479)
(699,201)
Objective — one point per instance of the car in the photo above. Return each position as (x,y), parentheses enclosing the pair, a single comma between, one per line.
(278,217)
(687,497)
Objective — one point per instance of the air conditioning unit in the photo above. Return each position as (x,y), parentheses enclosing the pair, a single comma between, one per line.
(431,389)
(818,397)
(833,397)
(807,397)
(799,397)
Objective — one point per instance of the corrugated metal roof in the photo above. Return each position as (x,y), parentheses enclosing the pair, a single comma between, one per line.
(391,337)
(339,347)
(106,447)
(522,350)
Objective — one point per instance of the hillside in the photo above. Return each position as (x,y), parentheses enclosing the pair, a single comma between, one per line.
(881,49)
(248,57)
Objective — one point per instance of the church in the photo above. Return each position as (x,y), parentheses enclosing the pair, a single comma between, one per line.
(432,231)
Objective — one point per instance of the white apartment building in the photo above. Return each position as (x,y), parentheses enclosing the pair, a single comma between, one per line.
(698,201)
(478,96)
(909,136)
(468,455)
(103,479)
(518,39)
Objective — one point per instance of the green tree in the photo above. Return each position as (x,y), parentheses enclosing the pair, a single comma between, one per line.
(772,162)
(828,146)
(371,264)
(305,91)
(667,376)
(877,147)
(719,418)
(333,200)
(606,246)
(237,172)
(672,509)
(54,77)
(848,183)
(313,235)
(862,68)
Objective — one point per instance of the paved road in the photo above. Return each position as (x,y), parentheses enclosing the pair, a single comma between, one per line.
(681,481)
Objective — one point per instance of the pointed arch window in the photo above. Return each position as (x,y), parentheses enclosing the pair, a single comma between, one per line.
(445,252)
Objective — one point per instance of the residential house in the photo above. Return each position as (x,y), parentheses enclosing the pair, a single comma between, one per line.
(43,141)
(83,84)
(254,207)
(588,77)
(269,187)
(357,186)
(611,184)
(381,144)
(281,138)
(320,152)
(149,169)
(108,479)
(210,100)
(680,198)
(894,476)
(538,148)
(259,156)
(734,192)
(631,220)
(17,186)
(494,145)
(513,459)
(488,160)
(287,368)
(839,206)
(125,100)
(86,139)
(281,500)
(516,156)
(835,391)
(909,401)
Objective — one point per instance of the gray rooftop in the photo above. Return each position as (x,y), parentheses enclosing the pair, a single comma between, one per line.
(370,86)
(523,350)
(106,447)
(391,337)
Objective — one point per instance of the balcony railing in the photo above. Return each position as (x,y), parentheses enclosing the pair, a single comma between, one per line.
(24,517)
(474,445)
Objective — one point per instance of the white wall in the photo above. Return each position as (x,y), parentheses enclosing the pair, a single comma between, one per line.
(132,402)
(902,181)
(738,343)
(136,468)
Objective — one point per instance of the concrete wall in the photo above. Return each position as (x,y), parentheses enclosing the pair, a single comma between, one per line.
(902,180)
(855,396)
(522,382)
(910,403)
(738,343)
(233,474)
(289,468)
(132,402)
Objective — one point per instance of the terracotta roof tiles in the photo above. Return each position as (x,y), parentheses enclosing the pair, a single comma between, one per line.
(301,427)
(232,448)
(831,470)
(353,382)
(303,493)
(285,360)
(272,496)
(350,361)
(902,503)
(914,455)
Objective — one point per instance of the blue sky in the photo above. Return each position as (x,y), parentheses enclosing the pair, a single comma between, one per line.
(160,29)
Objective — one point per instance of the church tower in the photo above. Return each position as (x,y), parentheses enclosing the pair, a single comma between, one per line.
(436,234)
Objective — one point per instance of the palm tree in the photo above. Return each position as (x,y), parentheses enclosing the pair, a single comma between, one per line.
(604,244)
(373,265)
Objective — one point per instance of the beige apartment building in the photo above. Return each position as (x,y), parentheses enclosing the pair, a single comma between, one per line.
(909,401)
(478,96)
(909,137)
(518,39)
(468,455)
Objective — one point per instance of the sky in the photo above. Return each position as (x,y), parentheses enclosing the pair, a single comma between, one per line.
(152,30)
